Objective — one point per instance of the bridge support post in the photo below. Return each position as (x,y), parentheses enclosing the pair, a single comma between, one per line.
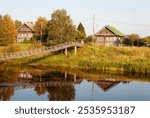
(66,51)
(75,49)
(75,77)
(66,75)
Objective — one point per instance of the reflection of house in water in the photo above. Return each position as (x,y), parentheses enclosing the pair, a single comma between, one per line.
(55,84)
(106,85)
(25,75)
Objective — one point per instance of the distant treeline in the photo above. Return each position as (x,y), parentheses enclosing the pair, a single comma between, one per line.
(136,40)
(58,29)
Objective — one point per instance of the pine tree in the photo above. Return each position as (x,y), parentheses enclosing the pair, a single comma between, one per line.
(81,30)
(60,27)
(40,28)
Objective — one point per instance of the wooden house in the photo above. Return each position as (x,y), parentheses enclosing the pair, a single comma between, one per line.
(109,36)
(25,32)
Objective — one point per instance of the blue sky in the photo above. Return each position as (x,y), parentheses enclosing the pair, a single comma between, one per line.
(129,16)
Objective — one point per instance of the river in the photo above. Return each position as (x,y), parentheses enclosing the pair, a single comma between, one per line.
(55,84)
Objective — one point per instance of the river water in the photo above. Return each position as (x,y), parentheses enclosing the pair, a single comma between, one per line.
(49,84)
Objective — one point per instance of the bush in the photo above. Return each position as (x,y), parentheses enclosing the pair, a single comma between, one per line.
(4,42)
(53,42)
(88,39)
(32,40)
(35,45)
(13,48)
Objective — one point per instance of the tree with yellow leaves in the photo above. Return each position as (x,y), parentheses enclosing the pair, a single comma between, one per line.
(7,28)
(40,28)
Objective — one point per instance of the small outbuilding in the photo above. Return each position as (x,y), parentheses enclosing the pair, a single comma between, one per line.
(109,36)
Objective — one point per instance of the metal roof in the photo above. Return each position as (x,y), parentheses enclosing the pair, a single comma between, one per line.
(114,30)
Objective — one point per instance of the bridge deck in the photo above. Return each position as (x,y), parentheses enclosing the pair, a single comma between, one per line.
(17,55)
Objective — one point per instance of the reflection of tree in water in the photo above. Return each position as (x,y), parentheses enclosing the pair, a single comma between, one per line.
(57,93)
(40,90)
(61,93)
(6,93)
(7,77)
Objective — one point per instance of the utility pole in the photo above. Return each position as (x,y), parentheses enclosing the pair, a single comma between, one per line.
(93,24)
(93,27)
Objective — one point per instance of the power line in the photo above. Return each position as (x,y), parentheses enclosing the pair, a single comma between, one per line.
(114,21)
(119,22)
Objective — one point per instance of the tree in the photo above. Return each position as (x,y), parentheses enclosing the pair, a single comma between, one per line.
(1,25)
(60,28)
(81,32)
(134,38)
(17,24)
(7,30)
(40,28)
(146,40)
(88,39)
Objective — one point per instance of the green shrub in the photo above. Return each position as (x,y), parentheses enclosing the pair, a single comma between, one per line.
(32,40)
(88,39)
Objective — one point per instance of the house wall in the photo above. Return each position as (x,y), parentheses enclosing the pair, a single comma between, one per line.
(106,38)
(24,33)
(21,36)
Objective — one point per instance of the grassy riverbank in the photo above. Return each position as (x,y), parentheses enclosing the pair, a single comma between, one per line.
(122,59)
(126,59)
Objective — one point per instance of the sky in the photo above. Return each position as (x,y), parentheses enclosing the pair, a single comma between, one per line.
(128,16)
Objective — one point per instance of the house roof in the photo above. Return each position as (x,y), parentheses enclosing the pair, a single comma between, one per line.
(28,24)
(106,85)
(114,30)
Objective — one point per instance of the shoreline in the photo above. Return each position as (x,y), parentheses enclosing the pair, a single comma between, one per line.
(95,58)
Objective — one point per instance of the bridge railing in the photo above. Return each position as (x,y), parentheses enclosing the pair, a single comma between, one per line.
(16,55)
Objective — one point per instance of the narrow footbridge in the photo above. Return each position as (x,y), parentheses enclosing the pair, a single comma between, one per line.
(17,55)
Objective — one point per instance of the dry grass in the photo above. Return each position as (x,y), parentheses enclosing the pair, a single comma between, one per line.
(92,57)
(126,59)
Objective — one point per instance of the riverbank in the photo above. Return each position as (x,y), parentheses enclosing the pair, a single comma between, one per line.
(92,57)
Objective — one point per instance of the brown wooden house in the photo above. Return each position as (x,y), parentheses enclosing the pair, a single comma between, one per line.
(109,36)
(25,32)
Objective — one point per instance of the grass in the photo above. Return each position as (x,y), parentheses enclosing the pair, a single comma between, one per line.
(92,57)
(20,47)
(25,47)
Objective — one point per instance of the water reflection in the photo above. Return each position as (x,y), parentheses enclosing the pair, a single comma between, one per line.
(64,85)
